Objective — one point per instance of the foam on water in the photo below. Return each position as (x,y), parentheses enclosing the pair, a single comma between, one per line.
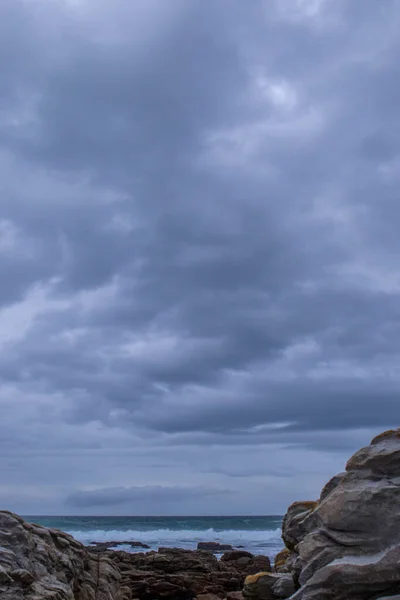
(259,535)
(258,542)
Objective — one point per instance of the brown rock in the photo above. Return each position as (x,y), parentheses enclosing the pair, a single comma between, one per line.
(280,560)
(268,586)
(235,555)
(260,586)
(213,546)
(258,564)
(385,435)
(244,561)
(234,596)
(192,572)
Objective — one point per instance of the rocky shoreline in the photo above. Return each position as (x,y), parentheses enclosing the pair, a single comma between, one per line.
(344,546)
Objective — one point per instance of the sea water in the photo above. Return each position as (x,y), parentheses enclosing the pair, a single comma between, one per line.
(259,535)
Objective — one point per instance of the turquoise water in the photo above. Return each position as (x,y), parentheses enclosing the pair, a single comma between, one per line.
(259,535)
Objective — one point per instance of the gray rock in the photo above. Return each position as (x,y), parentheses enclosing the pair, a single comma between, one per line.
(268,586)
(236,555)
(4,576)
(37,563)
(260,586)
(350,547)
(213,547)
(284,586)
(298,522)
(22,575)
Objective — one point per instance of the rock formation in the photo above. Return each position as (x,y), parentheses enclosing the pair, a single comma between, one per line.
(183,574)
(38,563)
(346,546)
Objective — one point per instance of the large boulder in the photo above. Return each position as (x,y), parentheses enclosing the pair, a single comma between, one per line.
(349,544)
(268,586)
(297,522)
(37,563)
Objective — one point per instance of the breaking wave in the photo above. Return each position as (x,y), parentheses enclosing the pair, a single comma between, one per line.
(268,541)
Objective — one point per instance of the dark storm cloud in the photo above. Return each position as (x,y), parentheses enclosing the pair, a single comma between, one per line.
(132,495)
(198,224)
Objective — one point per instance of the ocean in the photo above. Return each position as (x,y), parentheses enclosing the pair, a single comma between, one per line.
(259,535)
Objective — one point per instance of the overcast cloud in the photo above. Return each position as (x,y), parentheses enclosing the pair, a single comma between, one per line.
(199,250)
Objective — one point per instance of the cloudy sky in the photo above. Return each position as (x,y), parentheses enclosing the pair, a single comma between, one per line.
(199,250)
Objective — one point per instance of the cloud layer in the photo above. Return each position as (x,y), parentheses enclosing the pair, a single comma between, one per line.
(198,248)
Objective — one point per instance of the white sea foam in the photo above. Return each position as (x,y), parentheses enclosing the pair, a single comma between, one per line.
(262,542)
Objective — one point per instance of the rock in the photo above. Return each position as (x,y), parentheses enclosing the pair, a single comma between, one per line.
(244,561)
(191,572)
(213,547)
(235,555)
(284,586)
(160,562)
(330,486)
(208,597)
(280,560)
(348,546)
(259,586)
(22,575)
(297,522)
(259,563)
(4,576)
(234,596)
(268,586)
(38,563)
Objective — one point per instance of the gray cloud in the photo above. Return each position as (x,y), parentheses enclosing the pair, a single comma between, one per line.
(145,495)
(198,235)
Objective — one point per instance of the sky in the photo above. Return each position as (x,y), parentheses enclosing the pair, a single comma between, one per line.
(199,250)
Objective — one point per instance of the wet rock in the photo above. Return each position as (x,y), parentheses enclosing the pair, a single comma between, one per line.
(213,547)
(236,555)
